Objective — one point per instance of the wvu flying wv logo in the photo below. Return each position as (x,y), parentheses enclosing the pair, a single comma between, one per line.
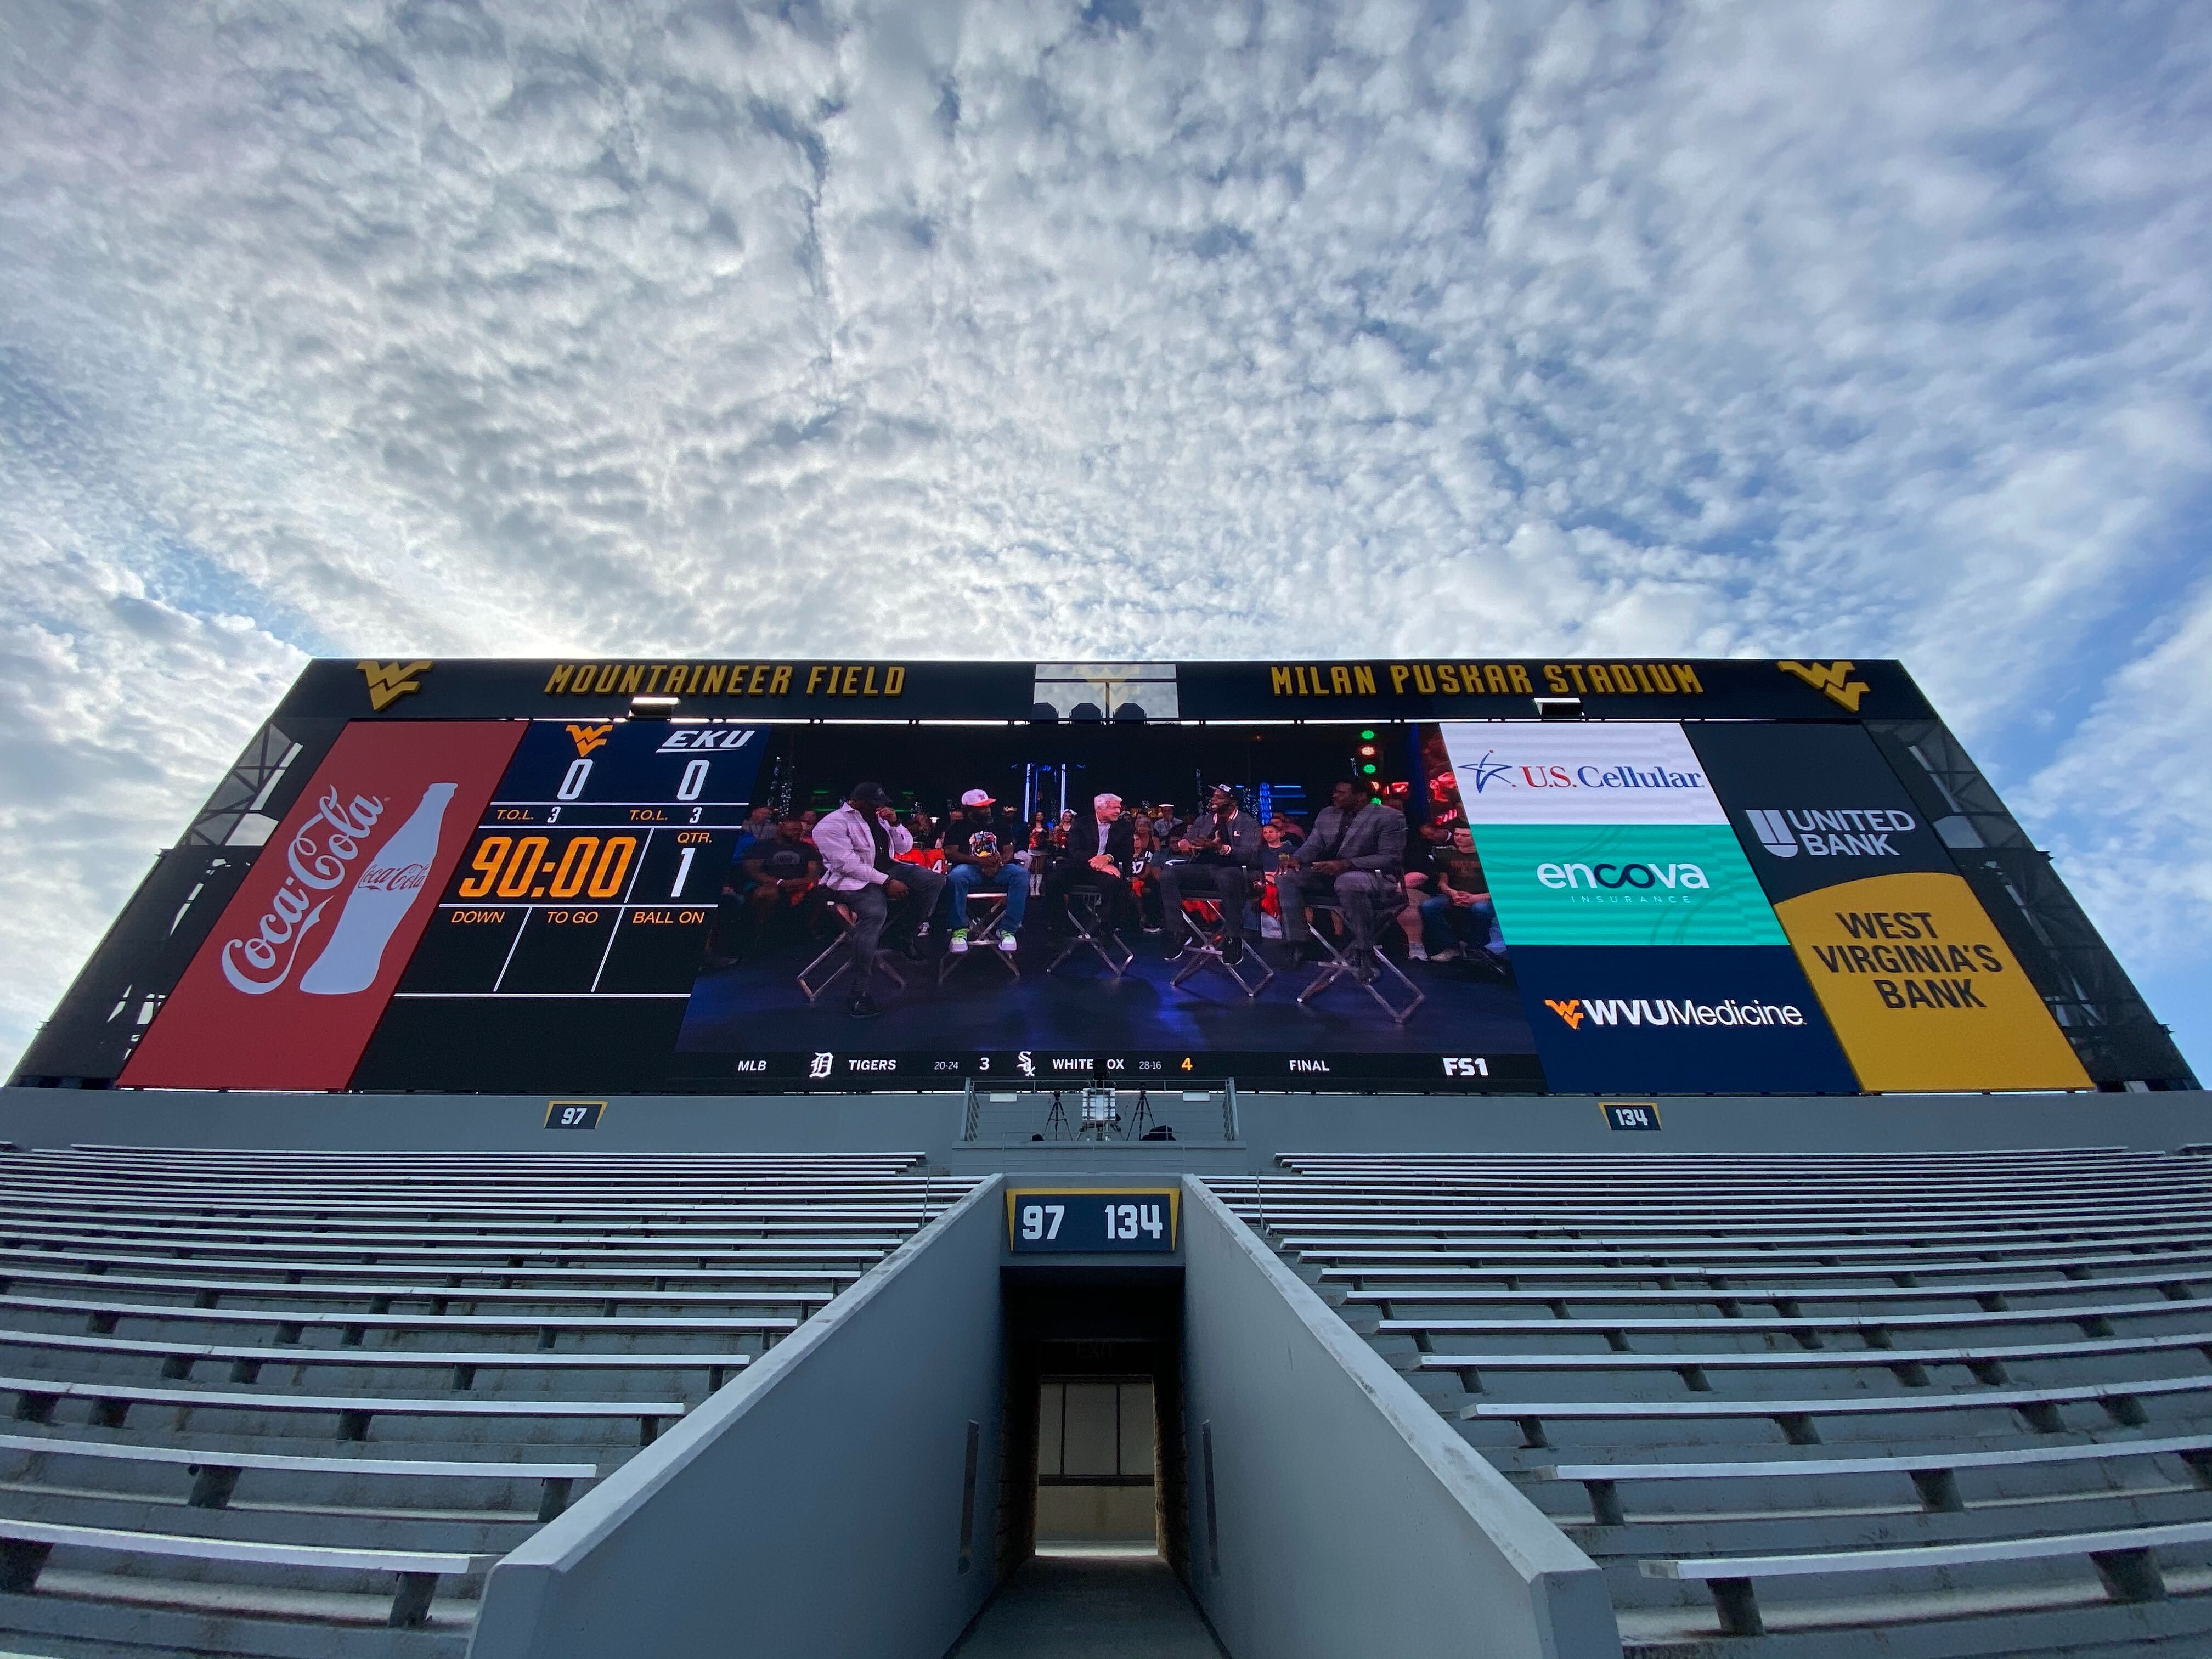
(1570,1011)
(589,737)
(388,681)
(1831,679)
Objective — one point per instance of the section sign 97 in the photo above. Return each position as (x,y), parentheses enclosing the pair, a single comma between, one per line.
(1088,1221)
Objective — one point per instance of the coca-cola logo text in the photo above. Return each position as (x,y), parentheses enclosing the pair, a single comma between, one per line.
(320,858)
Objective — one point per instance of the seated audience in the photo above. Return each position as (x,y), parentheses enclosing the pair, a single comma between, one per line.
(861,842)
(1356,856)
(1097,855)
(1215,857)
(1457,919)
(783,871)
(974,858)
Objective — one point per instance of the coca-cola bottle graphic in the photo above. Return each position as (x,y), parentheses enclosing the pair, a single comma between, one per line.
(379,901)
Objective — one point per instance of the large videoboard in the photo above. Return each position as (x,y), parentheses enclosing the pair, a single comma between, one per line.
(1500,877)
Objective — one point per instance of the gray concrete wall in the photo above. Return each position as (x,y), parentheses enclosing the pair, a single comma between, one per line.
(1268,1124)
(1345,1515)
(812,1508)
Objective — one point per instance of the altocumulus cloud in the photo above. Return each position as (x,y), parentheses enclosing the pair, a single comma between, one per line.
(1114,329)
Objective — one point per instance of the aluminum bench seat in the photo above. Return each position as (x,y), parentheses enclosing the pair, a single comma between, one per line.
(2120,1399)
(1930,1472)
(1987,1359)
(1766,1268)
(1596,1234)
(1689,1256)
(247,1359)
(26,1545)
(630,1214)
(35,1265)
(1788,1291)
(354,1412)
(382,1287)
(215,1474)
(188,1242)
(112,1312)
(1607,1324)
(2123,1559)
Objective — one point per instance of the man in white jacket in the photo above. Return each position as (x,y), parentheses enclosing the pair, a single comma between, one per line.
(859,843)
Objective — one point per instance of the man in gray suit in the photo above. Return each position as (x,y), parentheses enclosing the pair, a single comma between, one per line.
(1215,857)
(1357,852)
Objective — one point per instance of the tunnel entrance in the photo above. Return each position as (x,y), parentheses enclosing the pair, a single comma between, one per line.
(1094,1455)
(1094,1527)
(1097,1462)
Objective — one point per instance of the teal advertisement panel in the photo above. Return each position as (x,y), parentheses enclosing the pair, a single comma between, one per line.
(1635,884)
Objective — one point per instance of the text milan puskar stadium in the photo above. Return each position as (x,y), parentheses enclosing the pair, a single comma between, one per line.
(1280,1159)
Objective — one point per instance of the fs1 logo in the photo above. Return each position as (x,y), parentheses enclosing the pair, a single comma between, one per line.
(1843,832)
(1833,680)
(388,681)
(1466,1066)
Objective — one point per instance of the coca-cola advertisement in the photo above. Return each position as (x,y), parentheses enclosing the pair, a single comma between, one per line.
(295,975)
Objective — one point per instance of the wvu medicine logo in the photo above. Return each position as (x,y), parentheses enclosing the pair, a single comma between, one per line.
(1831,679)
(589,737)
(1570,1011)
(388,681)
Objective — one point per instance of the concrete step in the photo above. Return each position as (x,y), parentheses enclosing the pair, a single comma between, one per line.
(86,1615)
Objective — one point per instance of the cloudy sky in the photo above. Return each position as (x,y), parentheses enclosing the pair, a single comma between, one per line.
(1117,329)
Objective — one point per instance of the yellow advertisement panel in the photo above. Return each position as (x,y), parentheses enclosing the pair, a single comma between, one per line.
(1921,989)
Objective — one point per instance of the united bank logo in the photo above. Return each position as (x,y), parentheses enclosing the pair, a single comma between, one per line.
(1842,832)
(1661,1011)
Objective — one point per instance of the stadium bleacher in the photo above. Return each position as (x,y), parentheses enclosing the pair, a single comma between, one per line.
(298,1403)
(1900,1403)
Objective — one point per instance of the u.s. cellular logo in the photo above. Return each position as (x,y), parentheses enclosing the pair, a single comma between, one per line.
(1576,1011)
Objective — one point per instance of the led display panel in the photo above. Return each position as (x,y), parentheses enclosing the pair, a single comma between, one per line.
(299,969)
(1918,982)
(1646,950)
(1709,876)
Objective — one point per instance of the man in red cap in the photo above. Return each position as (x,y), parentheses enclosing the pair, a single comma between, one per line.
(974,859)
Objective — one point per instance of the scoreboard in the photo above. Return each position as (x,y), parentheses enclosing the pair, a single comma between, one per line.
(597,869)
(1641,877)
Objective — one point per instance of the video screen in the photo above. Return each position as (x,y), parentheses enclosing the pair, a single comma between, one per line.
(1480,905)
(1147,901)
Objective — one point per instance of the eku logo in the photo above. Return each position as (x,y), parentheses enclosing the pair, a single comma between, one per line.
(1831,679)
(589,737)
(388,681)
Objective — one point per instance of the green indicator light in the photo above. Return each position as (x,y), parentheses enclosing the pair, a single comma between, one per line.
(1369,769)
(1367,737)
